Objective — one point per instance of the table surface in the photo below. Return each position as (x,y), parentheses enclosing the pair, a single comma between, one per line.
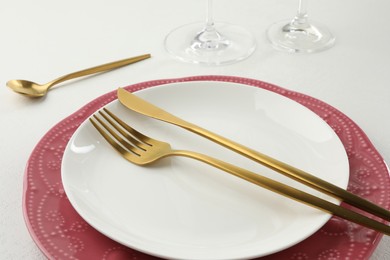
(42,39)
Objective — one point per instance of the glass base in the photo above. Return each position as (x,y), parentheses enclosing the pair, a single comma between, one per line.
(218,45)
(300,38)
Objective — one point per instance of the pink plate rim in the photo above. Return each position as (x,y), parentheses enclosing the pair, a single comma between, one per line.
(61,233)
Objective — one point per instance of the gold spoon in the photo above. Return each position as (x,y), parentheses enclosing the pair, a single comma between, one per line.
(33,89)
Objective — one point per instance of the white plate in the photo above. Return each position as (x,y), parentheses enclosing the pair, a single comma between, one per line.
(182,209)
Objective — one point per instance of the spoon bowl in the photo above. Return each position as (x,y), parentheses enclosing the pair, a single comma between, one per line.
(27,88)
(32,89)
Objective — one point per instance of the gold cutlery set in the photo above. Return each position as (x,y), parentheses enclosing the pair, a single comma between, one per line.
(143,150)
(140,149)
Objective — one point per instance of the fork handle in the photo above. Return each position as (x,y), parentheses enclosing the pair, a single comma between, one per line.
(288,191)
(292,172)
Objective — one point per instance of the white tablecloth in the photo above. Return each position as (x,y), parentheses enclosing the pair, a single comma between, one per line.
(42,39)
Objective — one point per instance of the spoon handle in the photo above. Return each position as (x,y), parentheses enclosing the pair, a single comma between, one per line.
(100,68)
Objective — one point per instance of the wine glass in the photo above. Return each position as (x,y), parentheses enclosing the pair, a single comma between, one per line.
(300,34)
(210,42)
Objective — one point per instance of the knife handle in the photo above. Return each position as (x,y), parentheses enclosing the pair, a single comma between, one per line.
(289,171)
(288,191)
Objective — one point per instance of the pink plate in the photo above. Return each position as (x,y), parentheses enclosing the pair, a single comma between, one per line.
(62,234)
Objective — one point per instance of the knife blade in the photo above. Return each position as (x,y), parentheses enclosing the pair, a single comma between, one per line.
(142,106)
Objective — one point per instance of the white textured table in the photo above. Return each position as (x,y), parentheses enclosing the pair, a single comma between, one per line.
(43,39)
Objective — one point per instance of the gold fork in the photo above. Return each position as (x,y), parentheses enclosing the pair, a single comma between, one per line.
(142,150)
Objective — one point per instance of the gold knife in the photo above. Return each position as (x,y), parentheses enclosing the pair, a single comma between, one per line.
(141,106)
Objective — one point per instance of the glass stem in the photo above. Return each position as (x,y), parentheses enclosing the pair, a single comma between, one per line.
(210,18)
(301,17)
(209,38)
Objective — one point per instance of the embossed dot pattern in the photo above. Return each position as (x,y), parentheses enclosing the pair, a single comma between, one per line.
(62,234)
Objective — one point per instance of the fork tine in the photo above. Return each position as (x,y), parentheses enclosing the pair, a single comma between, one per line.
(121,129)
(141,137)
(108,138)
(130,148)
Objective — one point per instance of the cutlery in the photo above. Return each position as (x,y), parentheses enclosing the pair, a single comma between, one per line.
(143,150)
(33,89)
(141,106)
